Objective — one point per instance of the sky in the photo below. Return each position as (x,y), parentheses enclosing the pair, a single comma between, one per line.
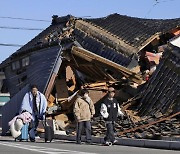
(45,9)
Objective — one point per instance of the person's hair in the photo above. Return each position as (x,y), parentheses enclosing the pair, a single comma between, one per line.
(33,86)
(83,91)
(111,89)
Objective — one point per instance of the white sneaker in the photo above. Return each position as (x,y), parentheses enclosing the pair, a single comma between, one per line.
(115,141)
(108,143)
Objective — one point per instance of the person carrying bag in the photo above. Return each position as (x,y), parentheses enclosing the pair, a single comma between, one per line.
(83,111)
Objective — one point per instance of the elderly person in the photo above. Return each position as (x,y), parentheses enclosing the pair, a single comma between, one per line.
(110,109)
(83,111)
(35,103)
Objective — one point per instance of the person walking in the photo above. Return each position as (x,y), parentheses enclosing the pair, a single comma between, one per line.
(35,103)
(83,111)
(110,110)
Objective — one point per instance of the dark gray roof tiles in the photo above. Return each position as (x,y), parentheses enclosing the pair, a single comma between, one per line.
(134,31)
(161,93)
(100,49)
(38,72)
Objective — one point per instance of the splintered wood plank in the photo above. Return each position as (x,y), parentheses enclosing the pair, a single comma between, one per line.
(51,100)
(85,54)
(149,124)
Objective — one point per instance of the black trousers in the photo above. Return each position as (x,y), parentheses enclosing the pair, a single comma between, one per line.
(110,137)
(87,126)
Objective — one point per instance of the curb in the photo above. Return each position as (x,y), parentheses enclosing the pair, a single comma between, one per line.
(157,144)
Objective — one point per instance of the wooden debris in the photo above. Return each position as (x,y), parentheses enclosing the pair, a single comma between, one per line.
(61,88)
(149,124)
(51,100)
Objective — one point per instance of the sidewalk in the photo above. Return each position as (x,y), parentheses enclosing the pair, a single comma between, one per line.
(158,144)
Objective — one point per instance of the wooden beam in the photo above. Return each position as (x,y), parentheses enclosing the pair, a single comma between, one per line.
(89,55)
(50,85)
(149,40)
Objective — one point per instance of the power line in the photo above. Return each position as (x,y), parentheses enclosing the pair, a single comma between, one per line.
(156,3)
(163,1)
(20,28)
(11,45)
(150,10)
(24,19)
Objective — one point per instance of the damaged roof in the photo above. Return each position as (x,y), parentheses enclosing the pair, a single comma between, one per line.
(39,72)
(115,37)
(100,68)
(134,31)
(162,92)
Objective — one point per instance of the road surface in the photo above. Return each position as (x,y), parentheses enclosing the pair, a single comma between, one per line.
(9,146)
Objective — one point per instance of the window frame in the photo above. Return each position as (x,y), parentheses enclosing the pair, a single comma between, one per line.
(25,61)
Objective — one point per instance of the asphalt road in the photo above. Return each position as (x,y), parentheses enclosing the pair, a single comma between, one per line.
(9,146)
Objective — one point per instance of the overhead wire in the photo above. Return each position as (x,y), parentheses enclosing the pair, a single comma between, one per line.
(150,10)
(14,18)
(20,28)
(155,4)
(12,45)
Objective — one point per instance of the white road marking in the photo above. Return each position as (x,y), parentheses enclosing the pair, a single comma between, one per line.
(41,149)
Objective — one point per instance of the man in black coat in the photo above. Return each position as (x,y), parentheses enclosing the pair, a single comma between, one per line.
(110,110)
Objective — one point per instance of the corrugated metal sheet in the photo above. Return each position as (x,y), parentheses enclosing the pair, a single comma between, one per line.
(38,72)
(162,92)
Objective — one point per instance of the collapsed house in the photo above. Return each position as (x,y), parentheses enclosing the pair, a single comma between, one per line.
(116,50)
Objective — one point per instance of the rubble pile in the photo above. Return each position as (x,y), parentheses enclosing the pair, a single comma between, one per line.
(154,128)
(77,74)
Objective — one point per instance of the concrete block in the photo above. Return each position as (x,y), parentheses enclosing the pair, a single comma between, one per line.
(60,137)
(175,145)
(157,144)
(120,142)
(96,140)
(132,142)
(101,140)
(64,137)
(71,138)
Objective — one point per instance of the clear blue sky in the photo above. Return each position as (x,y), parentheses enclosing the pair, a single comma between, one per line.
(44,9)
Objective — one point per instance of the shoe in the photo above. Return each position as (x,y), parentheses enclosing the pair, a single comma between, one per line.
(108,143)
(32,139)
(115,141)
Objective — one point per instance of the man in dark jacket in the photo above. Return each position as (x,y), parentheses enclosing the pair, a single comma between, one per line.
(110,109)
